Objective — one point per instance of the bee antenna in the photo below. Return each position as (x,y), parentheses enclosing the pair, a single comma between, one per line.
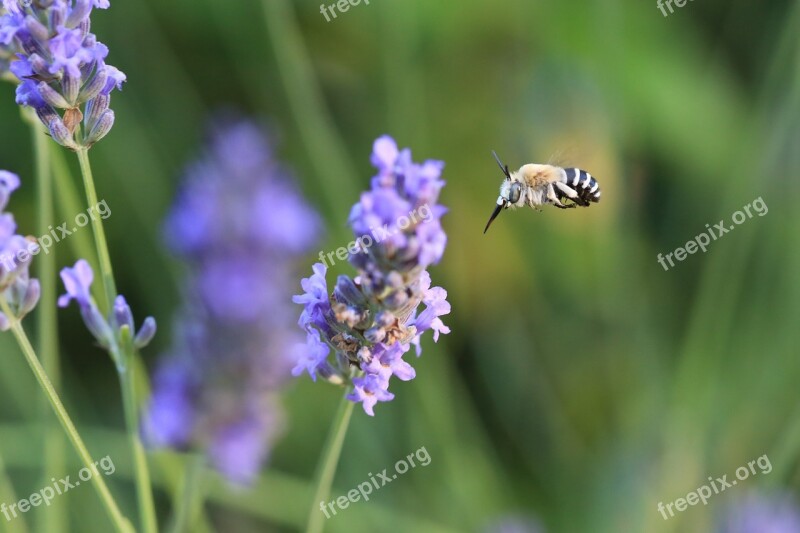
(503,167)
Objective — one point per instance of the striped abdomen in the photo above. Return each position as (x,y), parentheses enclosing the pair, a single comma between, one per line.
(584,184)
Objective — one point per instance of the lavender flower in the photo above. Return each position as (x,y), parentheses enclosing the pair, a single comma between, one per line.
(19,290)
(239,223)
(758,513)
(112,332)
(60,65)
(370,321)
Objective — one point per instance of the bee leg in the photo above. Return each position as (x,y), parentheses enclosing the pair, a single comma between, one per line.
(554,199)
(569,192)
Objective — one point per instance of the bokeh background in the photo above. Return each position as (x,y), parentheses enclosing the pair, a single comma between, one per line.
(581,384)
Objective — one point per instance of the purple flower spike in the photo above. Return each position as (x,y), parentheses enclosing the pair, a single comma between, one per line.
(370,321)
(20,291)
(239,223)
(59,65)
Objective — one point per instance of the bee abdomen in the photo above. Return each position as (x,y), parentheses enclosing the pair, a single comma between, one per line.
(584,184)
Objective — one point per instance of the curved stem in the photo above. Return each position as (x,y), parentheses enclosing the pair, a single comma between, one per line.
(97,228)
(120,522)
(330,460)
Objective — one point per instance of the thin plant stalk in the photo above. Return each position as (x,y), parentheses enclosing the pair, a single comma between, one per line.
(144,493)
(192,494)
(47,330)
(106,273)
(124,361)
(330,460)
(120,522)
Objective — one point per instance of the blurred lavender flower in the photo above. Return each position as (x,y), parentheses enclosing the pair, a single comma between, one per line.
(16,286)
(515,524)
(239,223)
(369,322)
(60,65)
(113,332)
(758,513)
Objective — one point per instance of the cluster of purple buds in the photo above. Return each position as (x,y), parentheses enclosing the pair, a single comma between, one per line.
(240,226)
(16,286)
(60,66)
(370,322)
(117,333)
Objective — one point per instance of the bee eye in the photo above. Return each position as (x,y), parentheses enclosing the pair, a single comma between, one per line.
(513,194)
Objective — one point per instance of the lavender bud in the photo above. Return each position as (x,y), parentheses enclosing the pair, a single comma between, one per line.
(80,12)
(95,108)
(98,326)
(94,86)
(100,129)
(122,313)
(60,134)
(71,85)
(31,298)
(51,96)
(145,334)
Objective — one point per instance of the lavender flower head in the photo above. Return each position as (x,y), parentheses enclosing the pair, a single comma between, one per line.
(758,513)
(19,290)
(60,65)
(239,223)
(358,333)
(115,333)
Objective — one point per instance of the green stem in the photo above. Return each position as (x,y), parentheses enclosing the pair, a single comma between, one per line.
(330,460)
(124,360)
(314,121)
(144,493)
(192,493)
(120,522)
(47,332)
(99,233)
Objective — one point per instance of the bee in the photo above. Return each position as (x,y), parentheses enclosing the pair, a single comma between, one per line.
(536,184)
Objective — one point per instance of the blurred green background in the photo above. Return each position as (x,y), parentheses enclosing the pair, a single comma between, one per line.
(581,384)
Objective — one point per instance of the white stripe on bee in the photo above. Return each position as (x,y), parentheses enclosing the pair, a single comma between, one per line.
(577,177)
(586,180)
(596,186)
(597,194)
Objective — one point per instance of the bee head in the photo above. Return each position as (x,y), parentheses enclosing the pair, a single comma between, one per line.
(509,192)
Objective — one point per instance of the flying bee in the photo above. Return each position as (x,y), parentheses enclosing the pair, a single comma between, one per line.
(535,184)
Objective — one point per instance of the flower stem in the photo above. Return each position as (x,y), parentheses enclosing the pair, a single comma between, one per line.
(330,460)
(124,361)
(47,331)
(120,522)
(144,493)
(97,228)
(192,492)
